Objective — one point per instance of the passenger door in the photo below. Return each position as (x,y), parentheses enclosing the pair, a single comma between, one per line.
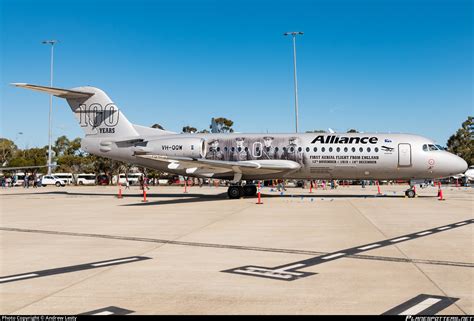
(404,155)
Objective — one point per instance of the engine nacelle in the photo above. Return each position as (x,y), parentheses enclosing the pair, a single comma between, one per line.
(184,147)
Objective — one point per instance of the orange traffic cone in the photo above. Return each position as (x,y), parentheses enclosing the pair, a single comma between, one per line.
(259,202)
(120,191)
(440,193)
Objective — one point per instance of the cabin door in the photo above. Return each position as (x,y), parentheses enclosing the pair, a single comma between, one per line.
(404,154)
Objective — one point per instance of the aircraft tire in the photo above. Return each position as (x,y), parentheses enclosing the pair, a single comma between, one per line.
(235,192)
(410,193)
(250,190)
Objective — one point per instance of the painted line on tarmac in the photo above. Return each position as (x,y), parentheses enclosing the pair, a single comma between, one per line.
(289,272)
(246,248)
(68,269)
(368,247)
(424,304)
(108,311)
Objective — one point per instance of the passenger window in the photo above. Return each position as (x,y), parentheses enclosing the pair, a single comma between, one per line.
(315,149)
(330,149)
(368,149)
(338,149)
(376,149)
(345,149)
(307,149)
(323,149)
(276,149)
(361,149)
(353,149)
(300,149)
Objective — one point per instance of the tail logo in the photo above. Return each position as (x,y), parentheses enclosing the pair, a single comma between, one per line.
(95,115)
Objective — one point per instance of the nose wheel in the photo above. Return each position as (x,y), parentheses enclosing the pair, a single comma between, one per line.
(410,193)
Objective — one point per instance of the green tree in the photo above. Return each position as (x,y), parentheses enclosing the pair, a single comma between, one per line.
(30,157)
(189,129)
(224,125)
(158,126)
(61,145)
(461,143)
(316,131)
(352,130)
(7,150)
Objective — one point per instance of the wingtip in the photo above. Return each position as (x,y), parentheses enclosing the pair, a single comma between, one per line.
(18,84)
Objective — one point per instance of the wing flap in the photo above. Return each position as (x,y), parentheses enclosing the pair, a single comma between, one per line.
(202,165)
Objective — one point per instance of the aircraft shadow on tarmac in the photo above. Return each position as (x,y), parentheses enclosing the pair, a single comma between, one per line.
(182,198)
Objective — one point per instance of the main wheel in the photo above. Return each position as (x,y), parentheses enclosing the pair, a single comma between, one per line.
(410,193)
(250,190)
(235,192)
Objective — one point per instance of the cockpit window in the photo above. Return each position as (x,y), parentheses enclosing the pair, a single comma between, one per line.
(440,147)
(431,147)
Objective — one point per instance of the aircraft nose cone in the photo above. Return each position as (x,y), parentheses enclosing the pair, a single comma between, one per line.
(457,165)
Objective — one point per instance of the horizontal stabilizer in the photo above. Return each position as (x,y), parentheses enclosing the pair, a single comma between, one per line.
(58,92)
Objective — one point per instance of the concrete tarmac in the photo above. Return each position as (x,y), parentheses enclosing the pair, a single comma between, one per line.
(74,250)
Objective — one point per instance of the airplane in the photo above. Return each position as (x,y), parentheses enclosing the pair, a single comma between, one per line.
(242,158)
(467,176)
(2,169)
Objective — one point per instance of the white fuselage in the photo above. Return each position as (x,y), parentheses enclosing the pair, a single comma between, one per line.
(321,155)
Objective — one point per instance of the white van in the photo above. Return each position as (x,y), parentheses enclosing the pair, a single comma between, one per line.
(51,180)
(65,177)
(18,179)
(133,179)
(85,179)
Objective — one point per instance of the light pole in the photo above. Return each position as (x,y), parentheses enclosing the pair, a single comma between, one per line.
(294,34)
(52,43)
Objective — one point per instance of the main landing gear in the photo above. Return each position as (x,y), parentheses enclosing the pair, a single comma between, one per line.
(237,191)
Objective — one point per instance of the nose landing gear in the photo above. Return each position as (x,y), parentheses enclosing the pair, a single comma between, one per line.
(410,193)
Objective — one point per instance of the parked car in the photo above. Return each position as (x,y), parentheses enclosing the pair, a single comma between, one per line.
(133,178)
(102,180)
(18,179)
(65,177)
(85,179)
(51,180)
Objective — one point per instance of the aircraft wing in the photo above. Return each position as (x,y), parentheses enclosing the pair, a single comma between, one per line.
(23,167)
(208,167)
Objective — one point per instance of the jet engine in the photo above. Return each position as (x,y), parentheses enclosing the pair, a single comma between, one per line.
(180,146)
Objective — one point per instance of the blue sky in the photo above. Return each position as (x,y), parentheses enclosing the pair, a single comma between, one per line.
(374,65)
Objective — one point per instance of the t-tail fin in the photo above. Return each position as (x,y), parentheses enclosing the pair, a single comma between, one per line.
(95,111)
